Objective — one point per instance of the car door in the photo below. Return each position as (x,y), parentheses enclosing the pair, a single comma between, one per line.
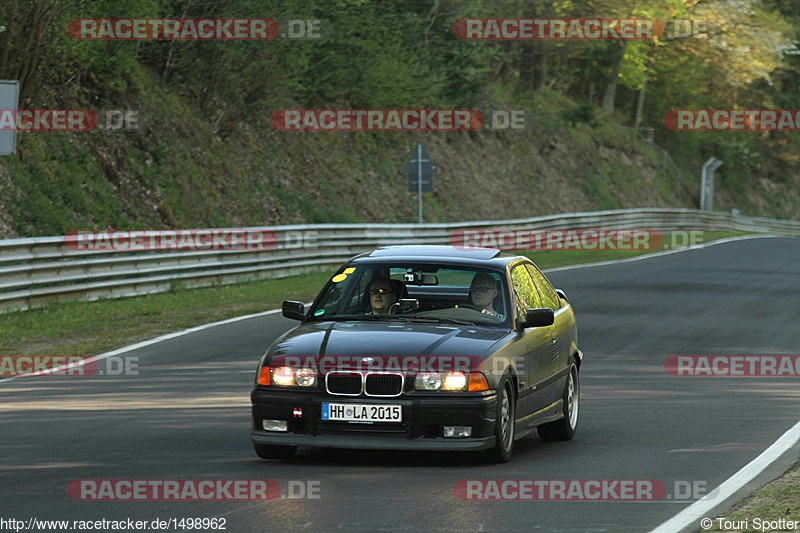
(538,357)
(559,332)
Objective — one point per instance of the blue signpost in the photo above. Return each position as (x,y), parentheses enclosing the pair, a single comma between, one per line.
(420,169)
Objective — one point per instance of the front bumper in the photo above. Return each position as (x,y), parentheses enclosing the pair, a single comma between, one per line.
(420,429)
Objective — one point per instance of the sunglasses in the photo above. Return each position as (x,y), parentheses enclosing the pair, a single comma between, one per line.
(375,292)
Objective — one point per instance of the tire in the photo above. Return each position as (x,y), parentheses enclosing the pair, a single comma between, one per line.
(505,419)
(565,428)
(266,451)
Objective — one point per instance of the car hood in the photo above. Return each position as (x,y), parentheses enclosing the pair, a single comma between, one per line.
(358,339)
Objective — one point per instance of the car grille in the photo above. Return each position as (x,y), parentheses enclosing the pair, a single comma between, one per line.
(384,384)
(380,384)
(343,383)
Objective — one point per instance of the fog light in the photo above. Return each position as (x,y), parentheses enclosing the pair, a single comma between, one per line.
(457,431)
(275,425)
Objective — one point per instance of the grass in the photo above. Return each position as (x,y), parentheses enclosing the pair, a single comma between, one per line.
(776,500)
(90,328)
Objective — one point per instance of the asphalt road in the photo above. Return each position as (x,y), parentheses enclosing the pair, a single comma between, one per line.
(186,415)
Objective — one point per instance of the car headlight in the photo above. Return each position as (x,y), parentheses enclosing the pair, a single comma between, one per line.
(287,376)
(305,377)
(455,381)
(428,381)
(448,381)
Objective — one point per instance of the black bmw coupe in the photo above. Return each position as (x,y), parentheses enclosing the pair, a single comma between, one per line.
(422,348)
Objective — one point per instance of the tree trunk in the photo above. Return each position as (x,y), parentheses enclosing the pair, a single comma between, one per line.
(541,70)
(611,90)
(610,93)
(36,26)
(526,64)
(640,104)
(8,38)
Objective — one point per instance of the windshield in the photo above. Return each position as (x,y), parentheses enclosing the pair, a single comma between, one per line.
(413,292)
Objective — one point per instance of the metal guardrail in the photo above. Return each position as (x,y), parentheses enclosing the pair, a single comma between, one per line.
(38,270)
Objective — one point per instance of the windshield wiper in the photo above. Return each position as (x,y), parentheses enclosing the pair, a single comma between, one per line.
(434,320)
(344,318)
(394,318)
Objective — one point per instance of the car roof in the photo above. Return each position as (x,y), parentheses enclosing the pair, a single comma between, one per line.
(429,253)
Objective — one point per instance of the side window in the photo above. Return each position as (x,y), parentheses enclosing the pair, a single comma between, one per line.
(331,300)
(347,294)
(525,295)
(549,296)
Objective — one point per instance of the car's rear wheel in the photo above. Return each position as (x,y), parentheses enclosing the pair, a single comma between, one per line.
(504,424)
(565,428)
(266,451)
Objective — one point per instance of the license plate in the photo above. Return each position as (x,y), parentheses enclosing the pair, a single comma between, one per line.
(361,412)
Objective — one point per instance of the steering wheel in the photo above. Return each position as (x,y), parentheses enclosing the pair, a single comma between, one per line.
(471,306)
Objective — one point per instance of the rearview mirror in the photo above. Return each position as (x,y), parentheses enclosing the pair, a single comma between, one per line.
(420,278)
(535,318)
(293,310)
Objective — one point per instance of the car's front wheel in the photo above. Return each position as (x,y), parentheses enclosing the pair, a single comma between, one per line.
(266,451)
(565,428)
(504,424)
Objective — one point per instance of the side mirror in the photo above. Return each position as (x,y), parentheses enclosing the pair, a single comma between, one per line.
(293,310)
(535,318)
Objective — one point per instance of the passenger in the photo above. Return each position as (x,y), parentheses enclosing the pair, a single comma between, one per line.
(482,293)
(381,296)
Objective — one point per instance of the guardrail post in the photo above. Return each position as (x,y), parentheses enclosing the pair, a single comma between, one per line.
(707,183)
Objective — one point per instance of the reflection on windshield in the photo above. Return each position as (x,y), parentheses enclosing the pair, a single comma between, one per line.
(415,293)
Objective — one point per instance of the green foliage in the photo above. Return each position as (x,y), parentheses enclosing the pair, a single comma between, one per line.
(581,114)
(207,104)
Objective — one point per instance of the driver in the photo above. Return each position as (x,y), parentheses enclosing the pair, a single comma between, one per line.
(483,291)
(381,296)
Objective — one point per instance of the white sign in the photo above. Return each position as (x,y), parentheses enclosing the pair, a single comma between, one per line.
(9,98)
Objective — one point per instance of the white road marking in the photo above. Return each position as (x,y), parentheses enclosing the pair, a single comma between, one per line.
(741,478)
(701,507)
(667,252)
(142,344)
